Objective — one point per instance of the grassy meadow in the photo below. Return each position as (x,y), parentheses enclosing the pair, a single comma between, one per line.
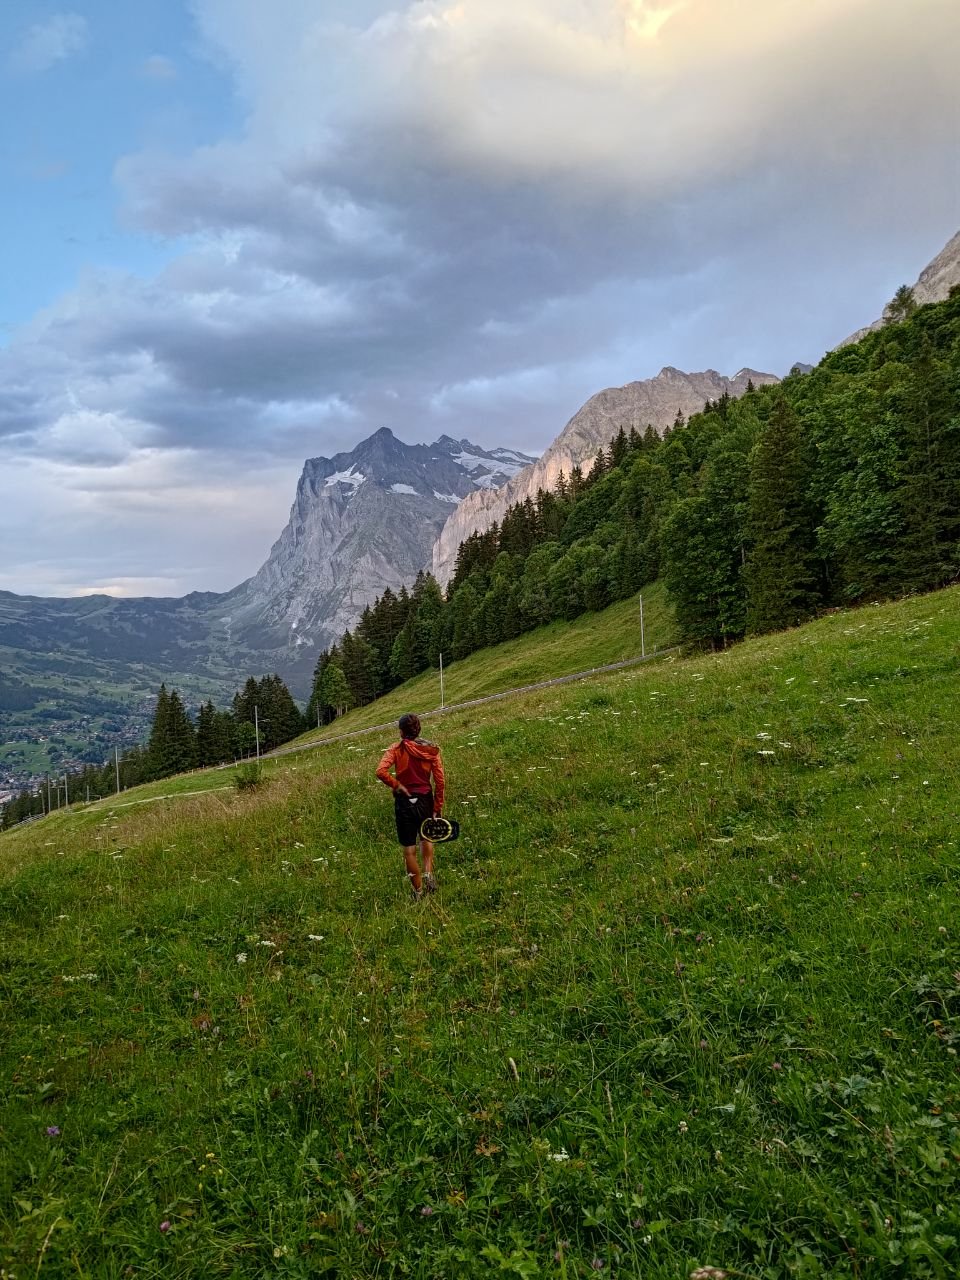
(689,994)
(593,640)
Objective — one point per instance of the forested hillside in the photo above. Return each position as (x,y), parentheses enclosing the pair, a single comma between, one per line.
(838,485)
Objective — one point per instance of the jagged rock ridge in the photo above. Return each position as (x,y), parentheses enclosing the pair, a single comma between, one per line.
(654,401)
(361,522)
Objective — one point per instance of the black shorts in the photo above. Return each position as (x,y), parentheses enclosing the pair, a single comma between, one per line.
(410,812)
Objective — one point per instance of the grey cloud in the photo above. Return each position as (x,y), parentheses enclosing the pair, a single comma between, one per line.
(355,261)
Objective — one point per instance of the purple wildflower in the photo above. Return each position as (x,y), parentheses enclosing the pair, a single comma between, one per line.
(426,1211)
(53,1131)
(165,1226)
(776,1066)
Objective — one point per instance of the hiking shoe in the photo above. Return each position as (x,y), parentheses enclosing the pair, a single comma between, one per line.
(429,884)
(415,893)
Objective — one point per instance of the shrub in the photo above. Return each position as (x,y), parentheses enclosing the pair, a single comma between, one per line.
(248,776)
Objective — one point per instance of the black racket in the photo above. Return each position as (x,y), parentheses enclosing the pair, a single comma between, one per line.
(439,830)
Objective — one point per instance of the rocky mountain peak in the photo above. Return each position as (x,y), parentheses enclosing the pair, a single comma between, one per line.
(362,521)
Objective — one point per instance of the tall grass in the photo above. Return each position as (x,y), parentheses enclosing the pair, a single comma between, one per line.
(688,995)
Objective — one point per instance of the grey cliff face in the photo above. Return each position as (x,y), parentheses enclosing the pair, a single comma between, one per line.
(933,285)
(655,401)
(361,522)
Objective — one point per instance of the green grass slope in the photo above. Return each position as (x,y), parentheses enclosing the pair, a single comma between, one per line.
(593,640)
(689,994)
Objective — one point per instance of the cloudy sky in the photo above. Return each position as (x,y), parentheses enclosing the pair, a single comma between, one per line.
(238,234)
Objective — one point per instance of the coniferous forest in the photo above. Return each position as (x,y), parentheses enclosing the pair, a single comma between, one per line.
(836,486)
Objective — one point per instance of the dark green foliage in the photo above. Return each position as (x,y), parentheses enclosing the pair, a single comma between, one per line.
(334,690)
(248,776)
(926,497)
(901,307)
(173,743)
(703,551)
(267,705)
(781,568)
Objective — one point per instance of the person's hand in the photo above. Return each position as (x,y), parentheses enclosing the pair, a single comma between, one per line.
(403,791)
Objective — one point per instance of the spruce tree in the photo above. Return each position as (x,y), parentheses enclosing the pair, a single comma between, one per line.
(183,736)
(402,663)
(205,735)
(928,494)
(157,746)
(781,570)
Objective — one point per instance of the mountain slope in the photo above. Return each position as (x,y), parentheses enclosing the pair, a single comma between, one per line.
(655,401)
(933,285)
(686,996)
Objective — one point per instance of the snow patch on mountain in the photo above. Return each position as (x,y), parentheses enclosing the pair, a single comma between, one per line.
(355,478)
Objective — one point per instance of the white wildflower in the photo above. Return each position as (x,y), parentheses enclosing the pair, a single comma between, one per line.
(241,957)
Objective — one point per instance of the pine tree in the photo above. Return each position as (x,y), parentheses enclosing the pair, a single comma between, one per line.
(781,573)
(598,470)
(464,607)
(223,738)
(619,448)
(245,701)
(928,495)
(402,663)
(159,734)
(427,624)
(901,306)
(205,735)
(173,746)
(702,548)
(280,718)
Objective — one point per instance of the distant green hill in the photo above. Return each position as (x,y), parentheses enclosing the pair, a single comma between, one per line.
(688,995)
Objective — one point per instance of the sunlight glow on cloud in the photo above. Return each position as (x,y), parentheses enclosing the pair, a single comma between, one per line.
(645,20)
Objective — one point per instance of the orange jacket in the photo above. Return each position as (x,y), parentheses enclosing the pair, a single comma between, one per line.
(413,761)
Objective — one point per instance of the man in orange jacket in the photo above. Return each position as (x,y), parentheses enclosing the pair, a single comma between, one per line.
(413,761)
